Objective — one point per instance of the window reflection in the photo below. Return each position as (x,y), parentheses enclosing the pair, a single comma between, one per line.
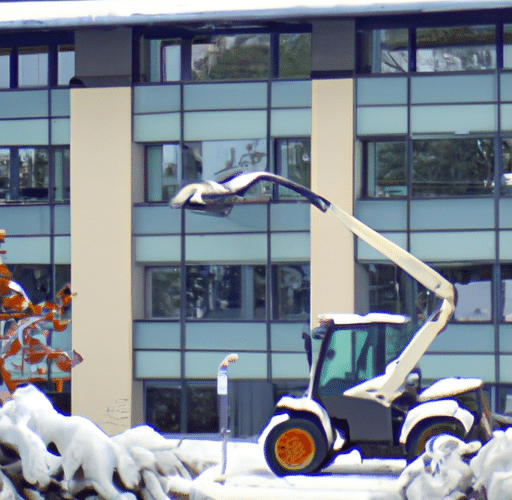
(452,167)
(386,162)
(163,168)
(235,57)
(506,177)
(33,66)
(221,292)
(33,173)
(458,48)
(506,293)
(61,174)
(163,406)
(291,283)
(293,161)
(392,290)
(384,51)
(295,55)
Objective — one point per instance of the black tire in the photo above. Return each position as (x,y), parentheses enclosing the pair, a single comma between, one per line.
(423,431)
(296,446)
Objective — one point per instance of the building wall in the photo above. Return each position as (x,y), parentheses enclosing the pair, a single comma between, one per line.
(101,254)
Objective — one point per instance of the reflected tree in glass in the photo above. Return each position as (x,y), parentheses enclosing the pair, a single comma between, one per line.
(295,55)
(165,292)
(451,167)
(386,168)
(163,408)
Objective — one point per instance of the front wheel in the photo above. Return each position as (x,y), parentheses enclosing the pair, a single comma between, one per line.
(425,430)
(296,446)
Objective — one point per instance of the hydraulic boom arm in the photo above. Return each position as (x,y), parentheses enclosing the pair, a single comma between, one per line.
(219,198)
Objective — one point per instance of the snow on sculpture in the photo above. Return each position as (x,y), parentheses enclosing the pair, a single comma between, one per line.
(26,341)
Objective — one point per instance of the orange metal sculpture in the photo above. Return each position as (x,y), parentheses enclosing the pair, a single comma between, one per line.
(25,355)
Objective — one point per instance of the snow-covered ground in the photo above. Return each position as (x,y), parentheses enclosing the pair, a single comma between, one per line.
(142,463)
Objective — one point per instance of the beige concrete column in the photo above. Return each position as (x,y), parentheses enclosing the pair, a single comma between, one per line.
(332,245)
(101,255)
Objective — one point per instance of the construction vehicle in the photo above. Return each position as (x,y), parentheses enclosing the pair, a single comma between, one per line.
(365,387)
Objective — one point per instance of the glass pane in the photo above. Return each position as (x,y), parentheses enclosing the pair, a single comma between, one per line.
(506,177)
(32,66)
(386,169)
(163,171)
(294,55)
(458,48)
(202,409)
(506,293)
(5,166)
(171,60)
(65,64)
(294,163)
(385,51)
(236,57)
(33,165)
(452,167)
(34,279)
(213,292)
(164,296)
(61,173)
(163,408)
(220,159)
(5,68)
(291,284)
(473,286)
(241,95)
(507,45)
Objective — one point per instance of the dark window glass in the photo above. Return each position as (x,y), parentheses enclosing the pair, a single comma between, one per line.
(452,167)
(506,177)
(33,174)
(164,293)
(386,167)
(293,161)
(5,165)
(163,407)
(202,409)
(292,284)
(214,292)
(235,57)
(458,48)
(384,51)
(61,174)
(295,55)
(507,46)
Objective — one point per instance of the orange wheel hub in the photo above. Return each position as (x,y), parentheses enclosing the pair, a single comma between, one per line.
(295,449)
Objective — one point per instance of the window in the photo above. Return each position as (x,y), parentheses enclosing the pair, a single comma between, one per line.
(202,408)
(38,65)
(233,57)
(437,49)
(163,167)
(163,406)
(213,292)
(168,166)
(386,168)
(33,66)
(392,290)
(506,293)
(291,284)
(458,48)
(25,174)
(452,167)
(295,55)
(293,161)
(384,51)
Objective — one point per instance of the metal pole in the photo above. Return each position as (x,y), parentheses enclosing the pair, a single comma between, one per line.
(223,400)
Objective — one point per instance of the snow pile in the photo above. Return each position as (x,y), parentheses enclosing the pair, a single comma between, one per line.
(136,463)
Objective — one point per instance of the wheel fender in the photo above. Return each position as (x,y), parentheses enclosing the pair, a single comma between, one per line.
(441,408)
(305,405)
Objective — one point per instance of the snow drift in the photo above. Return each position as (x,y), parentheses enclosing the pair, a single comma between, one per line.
(46,454)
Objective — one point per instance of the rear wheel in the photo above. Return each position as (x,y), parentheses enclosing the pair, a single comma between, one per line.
(419,436)
(296,446)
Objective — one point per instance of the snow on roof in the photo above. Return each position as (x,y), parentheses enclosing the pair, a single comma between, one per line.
(59,13)
(374,317)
